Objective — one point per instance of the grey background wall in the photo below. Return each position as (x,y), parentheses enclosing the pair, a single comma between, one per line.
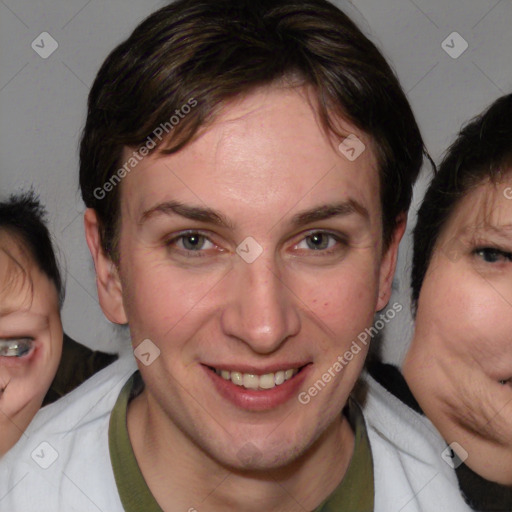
(43,101)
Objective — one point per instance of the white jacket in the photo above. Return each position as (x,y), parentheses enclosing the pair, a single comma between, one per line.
(410,474)
(62,462)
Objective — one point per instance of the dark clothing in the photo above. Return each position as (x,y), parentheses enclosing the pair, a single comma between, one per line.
(77,364)
(480,494)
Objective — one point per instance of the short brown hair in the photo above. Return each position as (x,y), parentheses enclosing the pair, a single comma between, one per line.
(211,51)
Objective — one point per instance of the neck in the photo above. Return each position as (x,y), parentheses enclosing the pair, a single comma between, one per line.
(182,476)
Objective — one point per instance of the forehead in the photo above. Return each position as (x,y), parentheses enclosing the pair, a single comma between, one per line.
(266,150)
(16,286)
(22,285)
(13,256)
(486,204)
(487,208)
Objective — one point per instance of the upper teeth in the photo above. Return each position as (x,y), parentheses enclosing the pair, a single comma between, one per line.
(253,381)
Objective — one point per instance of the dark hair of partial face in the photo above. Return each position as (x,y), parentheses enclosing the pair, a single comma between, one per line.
(192,57)
(481,153)
(22,221)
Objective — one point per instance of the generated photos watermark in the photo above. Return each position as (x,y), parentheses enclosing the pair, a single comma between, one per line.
(160,132)
(343,359)
(146,352)
(454,455)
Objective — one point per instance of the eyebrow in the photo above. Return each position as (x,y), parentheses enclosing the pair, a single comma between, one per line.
(504,230)
(328,211)
(200,214)
(208,215)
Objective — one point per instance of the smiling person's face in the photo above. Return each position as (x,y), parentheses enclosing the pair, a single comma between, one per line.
(30,339)
(459,366)
(262,177)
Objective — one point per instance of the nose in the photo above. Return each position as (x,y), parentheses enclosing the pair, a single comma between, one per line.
(261,311)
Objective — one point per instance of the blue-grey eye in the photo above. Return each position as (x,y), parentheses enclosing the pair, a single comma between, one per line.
(492,255)
(320,241)
(193,242)
(15,347)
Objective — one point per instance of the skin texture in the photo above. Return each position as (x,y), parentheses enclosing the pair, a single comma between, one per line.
(29,307)
(264,160)
(461,348)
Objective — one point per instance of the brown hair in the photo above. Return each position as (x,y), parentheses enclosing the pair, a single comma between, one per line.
(202,53)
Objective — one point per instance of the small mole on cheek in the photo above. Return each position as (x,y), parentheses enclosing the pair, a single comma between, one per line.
(326,304)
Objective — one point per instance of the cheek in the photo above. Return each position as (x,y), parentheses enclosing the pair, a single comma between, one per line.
(32,377)
(468,320)
(159,298)
(163,300)
(344,300)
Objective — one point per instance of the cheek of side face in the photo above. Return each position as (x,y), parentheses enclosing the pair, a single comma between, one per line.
(47,362)
(462,319)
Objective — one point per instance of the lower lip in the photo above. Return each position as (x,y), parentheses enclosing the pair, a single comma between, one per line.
(262,400)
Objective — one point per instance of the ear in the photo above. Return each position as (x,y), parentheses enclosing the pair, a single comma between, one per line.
(110,291)
(388,262)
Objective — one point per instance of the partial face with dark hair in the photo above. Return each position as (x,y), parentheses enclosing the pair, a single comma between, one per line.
(459,366)
(251,259)
(30,339)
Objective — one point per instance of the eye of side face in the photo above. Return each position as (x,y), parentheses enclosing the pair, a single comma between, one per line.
(15,347)
(492,254)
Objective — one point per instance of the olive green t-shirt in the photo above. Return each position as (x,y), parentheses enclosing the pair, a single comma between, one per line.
(355,493)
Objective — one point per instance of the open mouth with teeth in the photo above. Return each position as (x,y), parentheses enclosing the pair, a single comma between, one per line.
(257,382)
(254,390)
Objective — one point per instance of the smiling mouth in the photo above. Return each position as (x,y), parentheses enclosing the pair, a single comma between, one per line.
(256,382)
(16,348)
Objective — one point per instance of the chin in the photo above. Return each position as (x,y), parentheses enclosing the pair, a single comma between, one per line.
(259,455)
(500,473)
(250,459)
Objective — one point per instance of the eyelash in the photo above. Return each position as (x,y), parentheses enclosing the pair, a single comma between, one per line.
(23,339)
(339,241)
(187,234)
(200,253)
(16,338)
(499,252)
